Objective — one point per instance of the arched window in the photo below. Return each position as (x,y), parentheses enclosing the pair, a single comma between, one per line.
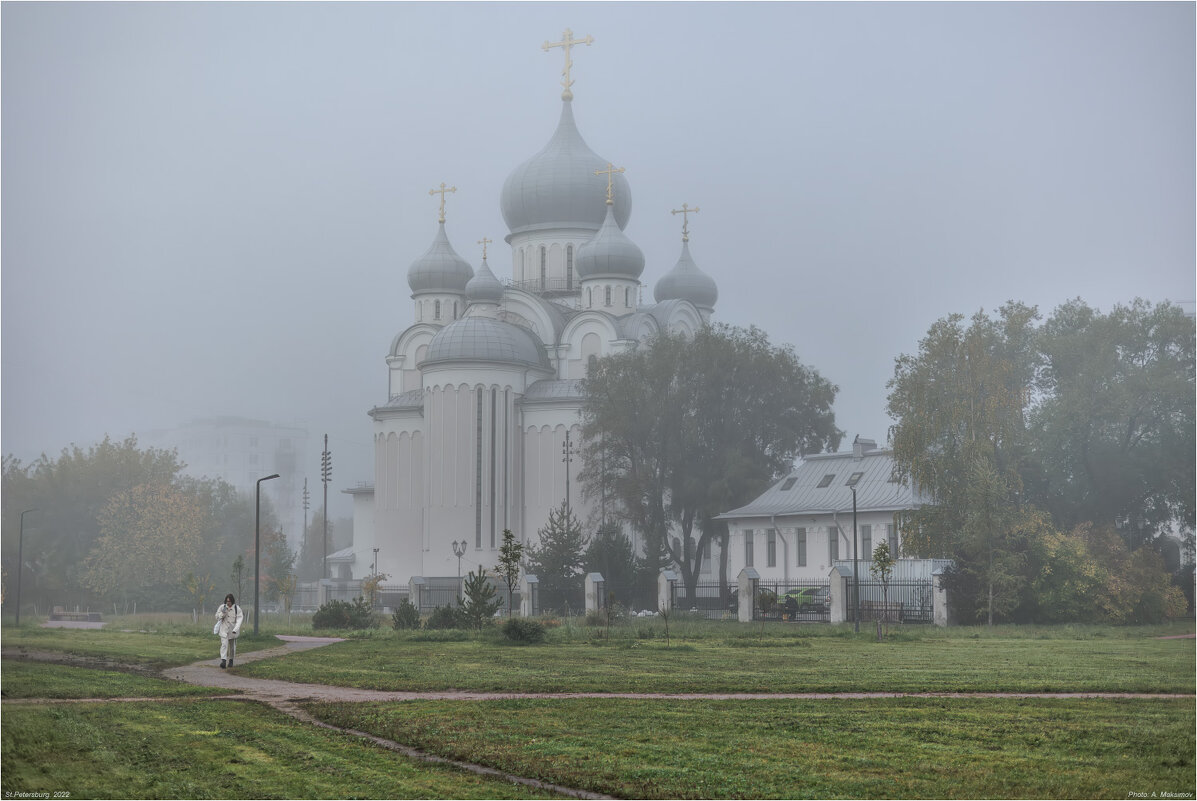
(607,296)
(590,298)
(569,267)
(627,296)
(520,277)
(544,267)
(591,364)
(436,312)
(454,310)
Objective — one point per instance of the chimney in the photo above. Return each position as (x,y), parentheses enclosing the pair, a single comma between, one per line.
(860,445)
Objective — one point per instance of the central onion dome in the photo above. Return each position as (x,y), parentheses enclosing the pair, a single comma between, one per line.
(474,339)
(484,287)
(556,188)
(440,269)
(686,282)
(609,253)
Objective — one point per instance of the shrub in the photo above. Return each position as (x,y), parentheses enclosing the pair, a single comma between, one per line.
(445,617)
(343,615)
(523,630)
(405,616)
(480,602)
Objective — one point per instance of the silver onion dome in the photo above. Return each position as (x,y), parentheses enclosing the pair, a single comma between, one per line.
(609,253)
(484,287)
(440,269)
(686,282)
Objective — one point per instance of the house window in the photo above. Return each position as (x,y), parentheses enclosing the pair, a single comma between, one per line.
(771,548)
(607,296)
(866,542)
(826,481)
(747,547)
(436,314)
(788,483)
(852,479)
(801,532)
(706,551)
(833,544)
(893,540)
(544,266)
(569,267)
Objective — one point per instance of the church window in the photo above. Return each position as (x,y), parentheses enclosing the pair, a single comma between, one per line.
(521,275)
(771,548)
(454,310)
(589,298)
(627,296)
(544,267)
(801,532)
(607,296)
(569,267)
(591,364)
(436,314)
(747,547)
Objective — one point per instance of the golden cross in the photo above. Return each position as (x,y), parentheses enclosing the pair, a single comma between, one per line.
(685,211)
(442,192)
(484,242)
(567,41)
(610,173)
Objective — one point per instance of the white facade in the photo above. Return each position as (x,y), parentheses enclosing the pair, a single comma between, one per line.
(801,525)
(486,382)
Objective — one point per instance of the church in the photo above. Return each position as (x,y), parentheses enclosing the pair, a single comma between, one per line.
(479,429)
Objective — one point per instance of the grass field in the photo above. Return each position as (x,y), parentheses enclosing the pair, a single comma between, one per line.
(151,648)
(876,748)
(210,749)
(40,680)
(738,660)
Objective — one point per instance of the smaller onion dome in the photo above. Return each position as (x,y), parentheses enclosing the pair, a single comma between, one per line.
(484,287)
(483,339)
(440,269)
(686,282)
(609,253)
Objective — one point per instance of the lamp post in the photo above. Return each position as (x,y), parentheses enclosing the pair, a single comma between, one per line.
(21,561)
(855,565)
(567,456)
(257,541)
(459,549)
(374,569)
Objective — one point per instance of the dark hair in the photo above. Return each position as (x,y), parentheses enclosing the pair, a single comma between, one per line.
(230,597)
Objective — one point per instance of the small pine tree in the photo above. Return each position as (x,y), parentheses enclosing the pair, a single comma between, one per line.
(480,603)
(557,560)
(510,554)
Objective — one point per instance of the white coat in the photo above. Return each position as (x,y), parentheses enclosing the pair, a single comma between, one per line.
(229,620)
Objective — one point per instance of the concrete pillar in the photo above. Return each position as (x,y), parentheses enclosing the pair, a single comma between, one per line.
(415,587)
(594,592)
(746,585)
(325,591)
(529,592)
(939,599)
(665,582)
(840,593)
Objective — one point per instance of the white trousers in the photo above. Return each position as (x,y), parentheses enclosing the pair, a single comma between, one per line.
(224,647)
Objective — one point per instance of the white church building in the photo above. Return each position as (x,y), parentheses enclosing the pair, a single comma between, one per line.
(486,383)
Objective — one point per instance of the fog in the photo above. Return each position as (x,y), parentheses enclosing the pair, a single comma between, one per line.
(210,209)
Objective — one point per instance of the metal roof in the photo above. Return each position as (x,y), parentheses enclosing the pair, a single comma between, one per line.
(874,490)
(554,390)
(484,339)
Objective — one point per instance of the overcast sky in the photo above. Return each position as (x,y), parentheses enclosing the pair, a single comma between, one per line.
(210,209)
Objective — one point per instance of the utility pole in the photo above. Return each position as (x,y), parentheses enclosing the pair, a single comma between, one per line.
(325,477)
(855,563)
(567,456)
(306,505)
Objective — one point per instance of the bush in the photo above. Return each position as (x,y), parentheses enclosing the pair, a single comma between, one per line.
(480,602)
(446,617)
(342,615)
(523,630)
(405,616)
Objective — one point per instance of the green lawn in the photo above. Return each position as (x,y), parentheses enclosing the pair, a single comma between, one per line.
(210,749)
(741,661)
(153,649)
(40,680)
(876,748)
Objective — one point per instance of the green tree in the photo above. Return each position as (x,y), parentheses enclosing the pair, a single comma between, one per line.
(199,588)
(237,575)
(681,430)
(150,538)
(1114,428)
(557,560)
(480,603)
(610,553)
(278,562)
(882,567)
(510,555)
(961,437)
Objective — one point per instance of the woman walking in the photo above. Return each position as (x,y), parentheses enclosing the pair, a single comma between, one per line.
(228,626)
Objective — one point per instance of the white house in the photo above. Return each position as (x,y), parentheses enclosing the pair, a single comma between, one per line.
(797,529)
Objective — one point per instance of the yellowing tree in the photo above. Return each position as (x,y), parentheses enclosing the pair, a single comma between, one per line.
(150,536)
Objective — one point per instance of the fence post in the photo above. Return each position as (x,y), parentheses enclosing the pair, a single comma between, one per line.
(415,592)
(665,581)
(939,599)
(747,590)
(528,589)
(840,591)
(325,591)
(594,582)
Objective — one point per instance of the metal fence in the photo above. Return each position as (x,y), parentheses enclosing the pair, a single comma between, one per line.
(710,599)
(792,601)
(903,569)
(436,591)
(905,601)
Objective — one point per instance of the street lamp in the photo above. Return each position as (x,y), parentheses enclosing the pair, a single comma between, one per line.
(20,561)
(257,546)
(855,563)
(374,570)
(459,549)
